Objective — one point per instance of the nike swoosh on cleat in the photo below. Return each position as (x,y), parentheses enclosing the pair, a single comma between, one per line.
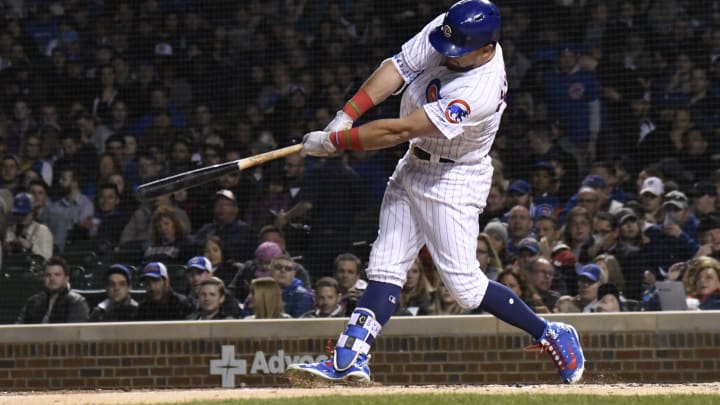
(573,361)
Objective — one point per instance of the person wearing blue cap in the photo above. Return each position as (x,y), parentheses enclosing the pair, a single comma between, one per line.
(590,277)
(198,270)
(27,236)
(161,303)
(519,192)
(119,306)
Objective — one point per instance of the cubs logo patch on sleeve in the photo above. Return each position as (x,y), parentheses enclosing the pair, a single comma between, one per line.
(456,111)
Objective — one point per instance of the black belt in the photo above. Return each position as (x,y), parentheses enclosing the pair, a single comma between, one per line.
(422,155)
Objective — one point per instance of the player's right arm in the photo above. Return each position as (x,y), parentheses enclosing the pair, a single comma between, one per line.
(374,135)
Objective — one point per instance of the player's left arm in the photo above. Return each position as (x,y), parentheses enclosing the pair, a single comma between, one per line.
(378,134)
(384,81)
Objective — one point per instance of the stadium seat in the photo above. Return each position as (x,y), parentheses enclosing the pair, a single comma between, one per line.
(17,284)
(178,281)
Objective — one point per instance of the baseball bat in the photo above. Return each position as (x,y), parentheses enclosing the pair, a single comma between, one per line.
(204,175)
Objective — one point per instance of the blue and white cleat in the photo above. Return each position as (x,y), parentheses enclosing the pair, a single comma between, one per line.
(562,343)
(357,373)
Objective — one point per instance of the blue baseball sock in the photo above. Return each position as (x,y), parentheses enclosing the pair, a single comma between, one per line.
(505,305)
(373,310)
(382,299)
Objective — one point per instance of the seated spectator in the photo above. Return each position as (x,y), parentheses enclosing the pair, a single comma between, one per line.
(265,300)
(668,242)
(138,229)
(676,206)
(520,192)
(611,268)
(628,251)
(11,173)
(590,278)
(547,228)
(211,299)
(444,303)
(161,302)
(578,234)
(109,218)
(416,295)
(119,305)
(517,281)
(594,195)
(39,191)
(704,275)
(565,276)
(651,199)
(31,158)
(327,300)
(709,236)
(200,269)
(519,227)
(606,232)
(608,299)
(56,303)
(265,253)
(347,274)
(540,274)
(704,198)
(528,250)
(228,227)
(223,269)
(485,253)
(272,233)
(27,236)
(128,202)
(169,240)
(73,212)
(498,233)
(545,187)
(297,299)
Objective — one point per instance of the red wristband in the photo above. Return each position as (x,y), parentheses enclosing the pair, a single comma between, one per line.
(358,104)
(346,139)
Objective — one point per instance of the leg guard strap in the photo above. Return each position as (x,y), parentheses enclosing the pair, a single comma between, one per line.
(353,342)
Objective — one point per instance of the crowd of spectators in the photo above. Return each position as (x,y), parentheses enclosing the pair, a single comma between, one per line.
(606,164)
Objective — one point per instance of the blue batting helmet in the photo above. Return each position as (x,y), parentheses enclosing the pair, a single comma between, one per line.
(468,25)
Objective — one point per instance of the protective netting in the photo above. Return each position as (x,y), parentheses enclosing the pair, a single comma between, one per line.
(99,97)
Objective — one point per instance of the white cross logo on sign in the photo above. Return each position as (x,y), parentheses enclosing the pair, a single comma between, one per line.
(228,366)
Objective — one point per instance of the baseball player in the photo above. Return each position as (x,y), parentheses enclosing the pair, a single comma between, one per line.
(453,77)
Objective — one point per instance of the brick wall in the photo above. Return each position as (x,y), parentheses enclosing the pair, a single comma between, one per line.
(448,352)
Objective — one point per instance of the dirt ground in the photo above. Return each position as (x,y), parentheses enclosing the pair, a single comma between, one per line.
(154,397)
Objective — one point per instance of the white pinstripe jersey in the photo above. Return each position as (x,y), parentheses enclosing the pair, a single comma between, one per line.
(465,106)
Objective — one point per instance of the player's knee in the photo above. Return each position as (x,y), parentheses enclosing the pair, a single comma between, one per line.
(471,300)
(470,297)
(385,276)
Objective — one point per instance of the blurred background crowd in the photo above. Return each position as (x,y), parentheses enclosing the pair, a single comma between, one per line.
(607,163)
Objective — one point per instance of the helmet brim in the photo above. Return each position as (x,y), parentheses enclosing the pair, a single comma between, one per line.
(444,46)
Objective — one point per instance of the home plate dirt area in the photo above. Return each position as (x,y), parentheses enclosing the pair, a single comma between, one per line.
(165,396)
